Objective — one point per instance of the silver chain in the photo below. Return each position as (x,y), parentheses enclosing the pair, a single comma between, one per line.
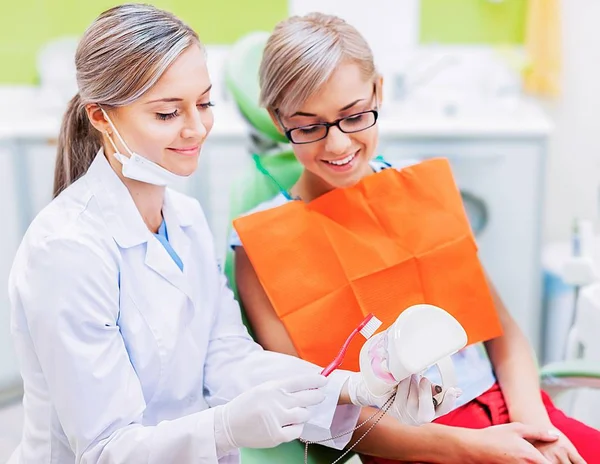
(381,412)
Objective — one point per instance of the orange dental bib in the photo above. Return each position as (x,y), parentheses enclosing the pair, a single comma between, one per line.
(395,239)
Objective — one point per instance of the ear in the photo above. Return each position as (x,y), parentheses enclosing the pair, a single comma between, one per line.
(379,90)
(275,120)
(97,119)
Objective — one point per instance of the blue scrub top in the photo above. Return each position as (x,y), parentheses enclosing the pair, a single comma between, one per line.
(163,238)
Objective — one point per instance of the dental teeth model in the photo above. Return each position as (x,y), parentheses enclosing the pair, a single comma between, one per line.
(422,336)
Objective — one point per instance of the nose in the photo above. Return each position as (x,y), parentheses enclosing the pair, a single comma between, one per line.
(197,125)
(337,142)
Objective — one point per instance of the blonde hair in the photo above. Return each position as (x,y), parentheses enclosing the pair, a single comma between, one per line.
(119,58)
(301,55)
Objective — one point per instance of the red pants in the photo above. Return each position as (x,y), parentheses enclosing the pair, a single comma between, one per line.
(490,409)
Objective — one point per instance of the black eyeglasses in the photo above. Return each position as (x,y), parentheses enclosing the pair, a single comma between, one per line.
(348,125)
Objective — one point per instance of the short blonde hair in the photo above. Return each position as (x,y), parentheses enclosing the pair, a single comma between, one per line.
(301,55)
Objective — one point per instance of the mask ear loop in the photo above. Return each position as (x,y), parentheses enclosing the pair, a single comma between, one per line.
(129,152)
(112,142)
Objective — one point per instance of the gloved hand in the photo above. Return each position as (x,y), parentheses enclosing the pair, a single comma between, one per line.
(448,402)
(268,415)
(360,395)
(413,404)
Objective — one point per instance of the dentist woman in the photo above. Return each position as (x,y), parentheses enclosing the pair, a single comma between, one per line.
(131,347)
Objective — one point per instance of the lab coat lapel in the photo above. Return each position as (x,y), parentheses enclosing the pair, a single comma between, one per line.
(157,257)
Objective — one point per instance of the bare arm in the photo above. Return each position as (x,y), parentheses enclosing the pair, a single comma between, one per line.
(268,328)
(516,370)
(517,373)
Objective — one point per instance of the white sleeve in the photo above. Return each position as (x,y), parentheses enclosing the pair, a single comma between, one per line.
(69,296)
(235,364)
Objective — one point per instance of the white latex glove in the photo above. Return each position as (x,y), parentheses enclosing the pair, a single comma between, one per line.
(268,415)
(413,404)
(360,395)
(448,402)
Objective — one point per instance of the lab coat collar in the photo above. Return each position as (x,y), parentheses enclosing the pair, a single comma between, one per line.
(128,229)
(174,212)
(122,217)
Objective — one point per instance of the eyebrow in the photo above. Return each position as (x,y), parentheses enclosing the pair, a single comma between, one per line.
(175,99)
(347,107)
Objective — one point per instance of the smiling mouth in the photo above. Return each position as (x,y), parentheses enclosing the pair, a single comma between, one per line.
(186,151)
(343,161)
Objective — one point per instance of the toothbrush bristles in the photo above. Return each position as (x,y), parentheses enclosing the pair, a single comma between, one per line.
(370,328)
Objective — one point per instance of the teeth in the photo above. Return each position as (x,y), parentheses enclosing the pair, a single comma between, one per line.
(341,162)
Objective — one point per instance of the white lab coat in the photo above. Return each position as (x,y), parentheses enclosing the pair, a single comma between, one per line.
(122,354)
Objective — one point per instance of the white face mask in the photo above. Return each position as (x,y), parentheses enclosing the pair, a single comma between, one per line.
(139,168)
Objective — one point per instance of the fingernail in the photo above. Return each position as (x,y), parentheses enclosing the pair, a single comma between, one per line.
(554,433)
(438,389)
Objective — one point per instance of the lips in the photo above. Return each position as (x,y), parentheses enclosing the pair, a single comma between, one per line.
(187,151)
(342,161)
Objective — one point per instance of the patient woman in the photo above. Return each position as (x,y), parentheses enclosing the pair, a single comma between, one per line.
(319,83)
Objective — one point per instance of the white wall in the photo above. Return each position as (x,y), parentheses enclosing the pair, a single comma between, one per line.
(573,169)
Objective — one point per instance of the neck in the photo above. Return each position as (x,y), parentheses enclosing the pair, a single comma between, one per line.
(309,186)
(147,198)
(149,201)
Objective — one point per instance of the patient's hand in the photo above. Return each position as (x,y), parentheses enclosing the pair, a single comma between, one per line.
(560,451)
(506,444)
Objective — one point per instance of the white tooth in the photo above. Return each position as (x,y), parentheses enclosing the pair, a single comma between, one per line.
(343,161)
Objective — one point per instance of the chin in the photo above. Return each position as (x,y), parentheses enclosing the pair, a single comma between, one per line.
(184,169)
(351,178)
(348,181)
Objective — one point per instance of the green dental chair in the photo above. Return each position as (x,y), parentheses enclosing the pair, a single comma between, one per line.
(276,168)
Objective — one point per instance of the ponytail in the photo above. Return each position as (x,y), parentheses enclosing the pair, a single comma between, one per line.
(78,144)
